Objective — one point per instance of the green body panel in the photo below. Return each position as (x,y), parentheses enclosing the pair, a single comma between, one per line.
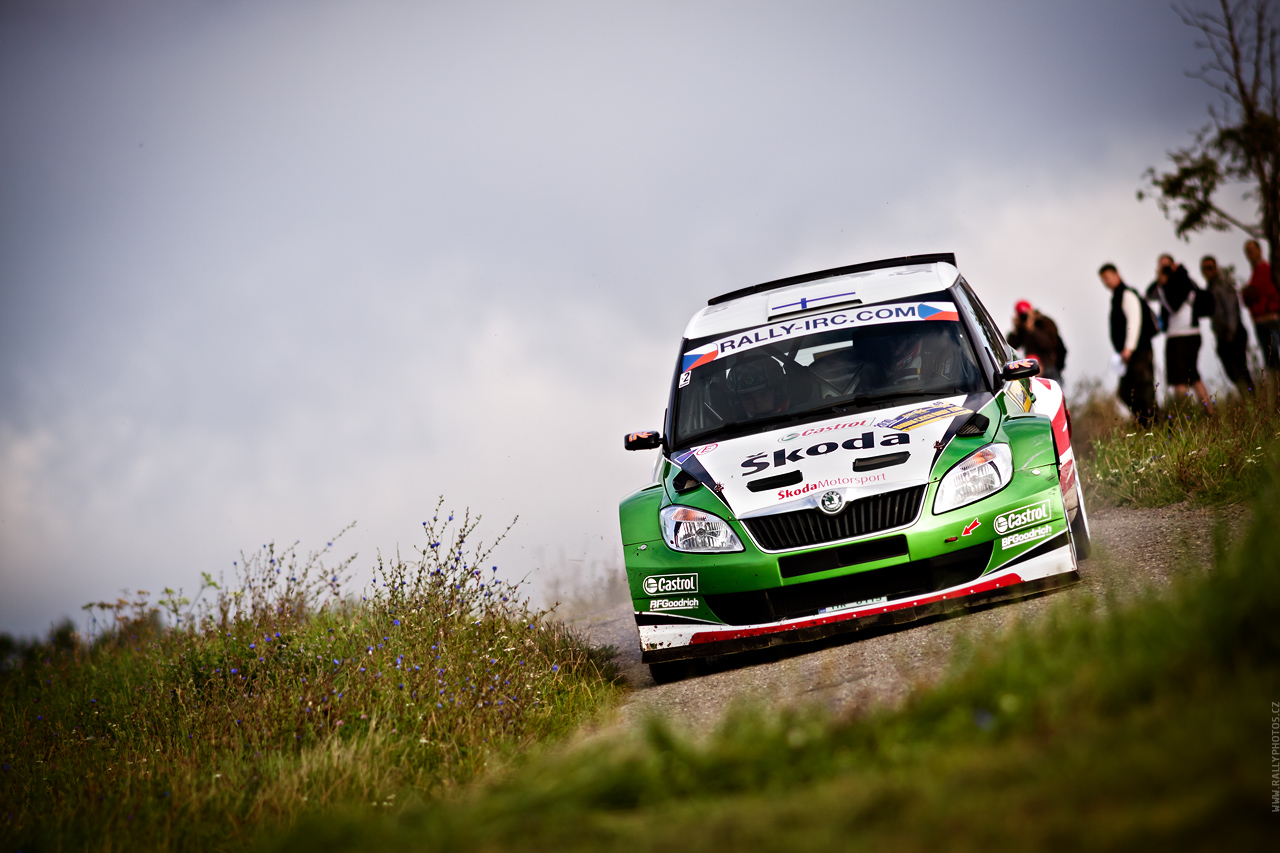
(1035,480)
(638,515)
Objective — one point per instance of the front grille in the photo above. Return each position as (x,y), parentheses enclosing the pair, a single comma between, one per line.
(907,580)
(811,562)
(806,527)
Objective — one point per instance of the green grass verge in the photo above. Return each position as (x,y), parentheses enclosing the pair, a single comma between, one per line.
(280,698)
(1144,724)
(1188,455)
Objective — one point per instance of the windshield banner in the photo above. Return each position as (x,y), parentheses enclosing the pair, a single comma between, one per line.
(872,315)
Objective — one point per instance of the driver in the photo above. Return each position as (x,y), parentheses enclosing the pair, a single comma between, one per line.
(760,386)
(906,360)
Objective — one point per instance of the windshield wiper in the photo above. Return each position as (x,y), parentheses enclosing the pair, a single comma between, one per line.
(860,400)
(759,424)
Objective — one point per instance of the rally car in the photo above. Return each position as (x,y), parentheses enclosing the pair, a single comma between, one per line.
(848,448)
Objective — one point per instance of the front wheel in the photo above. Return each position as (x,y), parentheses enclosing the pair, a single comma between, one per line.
(1080,525)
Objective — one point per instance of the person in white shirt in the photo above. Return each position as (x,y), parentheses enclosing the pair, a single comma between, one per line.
(1176,294)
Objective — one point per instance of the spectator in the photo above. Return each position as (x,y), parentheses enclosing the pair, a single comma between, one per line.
(1176,293)
(1263,301)
(1233,340)
(1132,327)
(1037,336)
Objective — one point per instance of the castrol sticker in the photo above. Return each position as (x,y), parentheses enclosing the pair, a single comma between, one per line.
(1022,517)
(664,584)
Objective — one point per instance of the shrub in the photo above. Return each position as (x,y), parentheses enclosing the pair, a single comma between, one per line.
(279,695)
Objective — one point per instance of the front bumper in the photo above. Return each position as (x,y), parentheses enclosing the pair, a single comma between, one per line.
(720,604)
(1052,568)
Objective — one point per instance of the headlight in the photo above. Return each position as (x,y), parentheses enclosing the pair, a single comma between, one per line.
(687,529)
(978,475)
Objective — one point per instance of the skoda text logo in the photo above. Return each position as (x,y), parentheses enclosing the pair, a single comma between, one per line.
(831,502)
(660,584)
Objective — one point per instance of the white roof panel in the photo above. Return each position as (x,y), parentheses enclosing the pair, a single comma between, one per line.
(867,287)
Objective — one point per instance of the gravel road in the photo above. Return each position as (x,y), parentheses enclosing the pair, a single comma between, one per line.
(1133,549)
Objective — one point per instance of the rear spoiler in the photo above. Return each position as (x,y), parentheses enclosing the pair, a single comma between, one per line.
(908,260)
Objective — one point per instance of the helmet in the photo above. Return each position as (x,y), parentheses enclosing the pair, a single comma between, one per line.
(755,375)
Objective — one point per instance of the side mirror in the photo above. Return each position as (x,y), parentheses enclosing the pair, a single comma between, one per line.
(1022,369)
(647,440)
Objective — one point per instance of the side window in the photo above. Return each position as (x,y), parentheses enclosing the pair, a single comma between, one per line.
(1007,352)
(995,341)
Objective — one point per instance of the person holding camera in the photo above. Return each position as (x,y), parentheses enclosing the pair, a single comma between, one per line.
(1037,336)
(1182,304)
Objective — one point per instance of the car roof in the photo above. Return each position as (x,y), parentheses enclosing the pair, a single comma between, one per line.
(877,281)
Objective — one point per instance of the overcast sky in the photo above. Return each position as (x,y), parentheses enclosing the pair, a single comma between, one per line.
(269,267)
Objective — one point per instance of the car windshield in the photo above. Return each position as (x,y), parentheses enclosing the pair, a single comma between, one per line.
(803,369)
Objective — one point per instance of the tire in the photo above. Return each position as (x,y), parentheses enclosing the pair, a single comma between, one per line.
(1080,526)
(671,671)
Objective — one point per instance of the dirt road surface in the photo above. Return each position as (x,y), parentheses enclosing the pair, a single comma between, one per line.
(1134,549)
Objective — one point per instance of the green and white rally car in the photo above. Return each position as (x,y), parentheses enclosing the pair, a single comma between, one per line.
(849,448)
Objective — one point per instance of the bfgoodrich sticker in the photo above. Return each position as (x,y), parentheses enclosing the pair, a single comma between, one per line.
(1016,539)
(661,584)
(657,604)
(1023,516)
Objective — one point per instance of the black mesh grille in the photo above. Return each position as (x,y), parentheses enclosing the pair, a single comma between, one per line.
(807,527)
(919,577)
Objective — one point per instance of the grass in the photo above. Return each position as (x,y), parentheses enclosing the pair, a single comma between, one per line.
(1142,724)
(279,714)
(279,697)
(1188,454)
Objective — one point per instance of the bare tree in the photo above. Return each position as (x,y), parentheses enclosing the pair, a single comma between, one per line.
(1241,144)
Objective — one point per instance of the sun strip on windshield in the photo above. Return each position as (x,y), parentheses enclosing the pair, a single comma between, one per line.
(854,317)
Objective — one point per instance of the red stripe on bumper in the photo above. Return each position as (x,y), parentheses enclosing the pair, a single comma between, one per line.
(717,636)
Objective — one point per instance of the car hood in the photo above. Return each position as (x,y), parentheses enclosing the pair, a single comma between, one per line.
(787,469)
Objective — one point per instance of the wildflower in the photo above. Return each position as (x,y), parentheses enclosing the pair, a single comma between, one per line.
(555,667)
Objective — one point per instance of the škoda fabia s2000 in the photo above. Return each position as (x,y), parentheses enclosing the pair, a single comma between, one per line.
(849,448)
